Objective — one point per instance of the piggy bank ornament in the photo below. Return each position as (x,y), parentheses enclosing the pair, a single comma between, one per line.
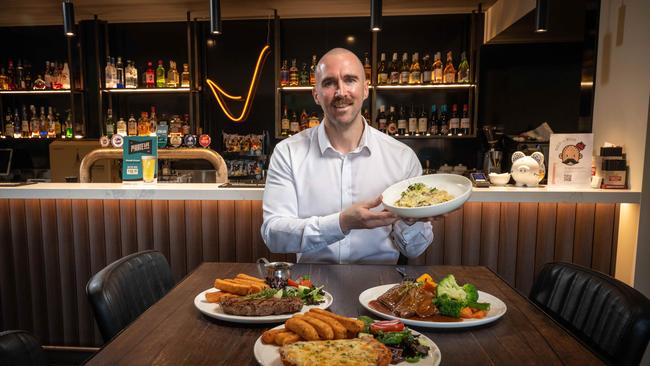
(527,170)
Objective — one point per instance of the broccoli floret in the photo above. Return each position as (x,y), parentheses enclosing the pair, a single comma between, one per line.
(448,306)
(415,186)
(480,305)
(448,286)
(472,293)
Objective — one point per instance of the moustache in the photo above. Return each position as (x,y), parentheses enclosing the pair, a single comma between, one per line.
(570,161)
(342,102)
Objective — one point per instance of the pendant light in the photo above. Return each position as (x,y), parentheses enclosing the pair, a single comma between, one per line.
(68,18)
(541,16)
(215,17)
(375,15)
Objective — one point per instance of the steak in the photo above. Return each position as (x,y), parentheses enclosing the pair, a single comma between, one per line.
(261,307)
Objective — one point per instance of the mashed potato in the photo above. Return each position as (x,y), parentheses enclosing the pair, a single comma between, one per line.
(419,194)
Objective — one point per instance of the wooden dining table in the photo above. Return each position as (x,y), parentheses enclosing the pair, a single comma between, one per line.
(174,332)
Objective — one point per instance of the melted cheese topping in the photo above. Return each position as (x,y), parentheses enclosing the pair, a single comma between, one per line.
(357,351)
(419,194)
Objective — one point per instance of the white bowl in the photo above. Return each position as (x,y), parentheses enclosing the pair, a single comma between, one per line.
(456,185)
(499,179)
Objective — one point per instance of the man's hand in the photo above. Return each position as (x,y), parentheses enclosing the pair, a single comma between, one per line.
(359,216)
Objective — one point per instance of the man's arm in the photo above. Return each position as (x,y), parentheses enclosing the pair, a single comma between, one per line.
(282,230)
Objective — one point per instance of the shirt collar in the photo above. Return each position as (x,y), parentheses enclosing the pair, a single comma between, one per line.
(364,144)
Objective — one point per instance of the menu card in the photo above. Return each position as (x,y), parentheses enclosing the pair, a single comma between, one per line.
(570,159)
(137,149)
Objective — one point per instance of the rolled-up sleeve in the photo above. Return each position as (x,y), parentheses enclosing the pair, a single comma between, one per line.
(282,230)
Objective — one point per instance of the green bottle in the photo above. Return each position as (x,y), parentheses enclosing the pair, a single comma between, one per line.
(160,75)
(68,126)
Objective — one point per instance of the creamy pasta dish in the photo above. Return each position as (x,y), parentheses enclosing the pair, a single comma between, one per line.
(419,194)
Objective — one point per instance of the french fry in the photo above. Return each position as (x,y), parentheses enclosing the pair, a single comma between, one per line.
(352,325)
(302,328)
(339,330)
(232,287)
(255,286)
(268,337)
(323,329)
(244,276)
(218,296)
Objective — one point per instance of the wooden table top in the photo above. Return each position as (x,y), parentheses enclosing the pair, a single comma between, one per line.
(174,332)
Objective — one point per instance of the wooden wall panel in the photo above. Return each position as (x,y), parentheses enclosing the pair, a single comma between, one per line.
(50,248)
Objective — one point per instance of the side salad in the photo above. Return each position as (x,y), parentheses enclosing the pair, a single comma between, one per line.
(302,288)
(404,345)
(459,301)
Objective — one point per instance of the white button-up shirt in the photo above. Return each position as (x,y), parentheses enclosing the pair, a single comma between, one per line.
(309,183)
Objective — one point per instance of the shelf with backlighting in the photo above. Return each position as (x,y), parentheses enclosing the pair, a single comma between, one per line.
(418,137)
(302,88)
(425,86)
(146,90)
(39,92)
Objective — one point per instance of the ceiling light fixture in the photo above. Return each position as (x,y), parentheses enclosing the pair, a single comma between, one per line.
(215,16)
(68,18)
(375,15)
(541,16)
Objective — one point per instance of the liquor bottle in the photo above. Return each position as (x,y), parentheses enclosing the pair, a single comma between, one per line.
(394,70)
(4,83)
(454,121)
(412,122)
(108,80)
(382,71)
(294,125)
(56,76)
(437,69)
(185,126)
(42,125)
(443,121)
(293,73)
(110,123)
(401,121)
(405,69)
(284,74)
(185,76)
(25,124)
(47,75)
(172,75)
(34,123)
(17,124)
(143,124)
(132,126)
(19,78)
(160,75)
(423,127)
(304,120)
(391,127)
(57,126)
(39,83)
(121,127)
(150,76)
(11,76)
(464,121)
(303,78)
(366,116)
(69,132)
(65,76)
(426,69)
(313,120)
(113,74)
(51,126)
(9,124)
(450,72)
(119,74)
(415,75)
(463,69)
(130,76)
(284,124)
(382,121)
(367,68)
(27,72)
(153,121)
(312,71)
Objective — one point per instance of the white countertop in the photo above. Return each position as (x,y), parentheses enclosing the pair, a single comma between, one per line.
(211,191)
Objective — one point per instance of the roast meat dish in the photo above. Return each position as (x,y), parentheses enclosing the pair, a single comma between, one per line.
(408,300)
(261,307)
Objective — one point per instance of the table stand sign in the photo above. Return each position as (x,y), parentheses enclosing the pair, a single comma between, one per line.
(139,162)
(570,160)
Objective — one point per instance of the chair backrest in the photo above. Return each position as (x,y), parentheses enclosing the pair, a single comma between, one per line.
(19,348)
(126,288)
(610,317)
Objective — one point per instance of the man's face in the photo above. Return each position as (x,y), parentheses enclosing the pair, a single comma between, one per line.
(340,87)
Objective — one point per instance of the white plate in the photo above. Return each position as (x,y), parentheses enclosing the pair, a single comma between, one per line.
(456,185)
(497,309)
(214,310)
(269,355)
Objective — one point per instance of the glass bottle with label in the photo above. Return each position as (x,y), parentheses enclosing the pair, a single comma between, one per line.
(284,124)
(415,74)
(382,121)
(150,76)
(382,71)
(119,74)
(465,122)
(160,75)
(443,121)
(454,121)
(110,123)
(132,126)
(294,124)
(391,128)
(402,123)
(65,77)
(304,120)
(449,73)
(312,71)
(303,77)
(394,70)
(463,69)
(284,74)
(437,69)
(185,76)
(9,124)
(367,68)
(412,122)
(34,123)
(143,124)
(172,75)
(25,123)
(426,69)
(422,121)
(153,121)
(405,69)
(121,127)
(293,74)
(69,128)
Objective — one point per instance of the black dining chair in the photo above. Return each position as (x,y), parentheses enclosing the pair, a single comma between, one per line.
(126,288)
(610,317)
(20,348)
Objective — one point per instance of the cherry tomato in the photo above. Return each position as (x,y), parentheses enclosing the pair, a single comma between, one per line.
(387,326)
(306,283)
(292,283)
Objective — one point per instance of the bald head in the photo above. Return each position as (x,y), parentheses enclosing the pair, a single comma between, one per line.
(339,55)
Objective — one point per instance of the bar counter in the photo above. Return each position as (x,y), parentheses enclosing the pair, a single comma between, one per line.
(207,191)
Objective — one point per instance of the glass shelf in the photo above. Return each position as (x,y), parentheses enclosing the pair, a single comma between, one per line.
(425,86)
(146,90)
(303,88)
(38,92)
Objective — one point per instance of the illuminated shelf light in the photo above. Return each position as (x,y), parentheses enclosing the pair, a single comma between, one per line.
(427,86)
(147,90)
(57,91)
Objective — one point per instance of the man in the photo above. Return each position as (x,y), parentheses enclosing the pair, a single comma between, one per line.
(323,189)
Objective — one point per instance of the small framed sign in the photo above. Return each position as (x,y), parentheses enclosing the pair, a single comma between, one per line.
(140,159)
(569,162)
